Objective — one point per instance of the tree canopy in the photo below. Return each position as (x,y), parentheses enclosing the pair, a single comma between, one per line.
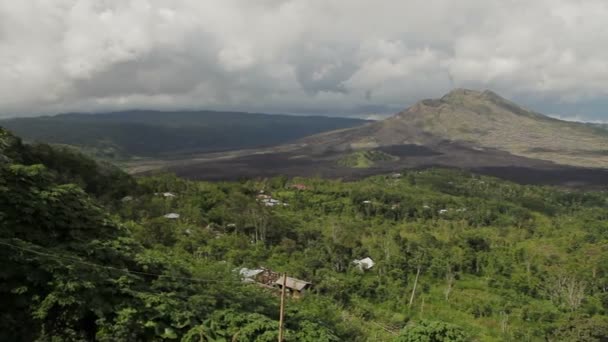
(88,254)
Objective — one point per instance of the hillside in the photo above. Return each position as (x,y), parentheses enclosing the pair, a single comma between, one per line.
(456,256)
(123,135)
(480,120)
(465,129)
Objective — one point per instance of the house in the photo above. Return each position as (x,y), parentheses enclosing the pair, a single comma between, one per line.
(172,216)
(261,276)
(267,278)
(364,264)
(250,275)
(299,186)
(296,287)
(269,201)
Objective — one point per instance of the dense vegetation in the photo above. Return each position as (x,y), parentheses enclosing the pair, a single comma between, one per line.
(122,135)
(458,257)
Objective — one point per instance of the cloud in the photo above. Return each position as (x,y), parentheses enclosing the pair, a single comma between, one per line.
(339,57)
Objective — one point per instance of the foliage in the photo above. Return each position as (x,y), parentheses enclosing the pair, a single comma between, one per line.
(365,159)
(426,331)
(582,329)
(457,256)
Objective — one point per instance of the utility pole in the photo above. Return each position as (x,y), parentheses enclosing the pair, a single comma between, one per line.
(282,310)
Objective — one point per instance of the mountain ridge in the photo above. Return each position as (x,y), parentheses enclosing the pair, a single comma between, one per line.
(482,120)
(465,129)
(154,134)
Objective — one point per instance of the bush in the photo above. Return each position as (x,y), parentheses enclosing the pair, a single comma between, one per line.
(432,331)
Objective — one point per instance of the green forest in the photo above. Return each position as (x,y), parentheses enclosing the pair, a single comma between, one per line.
(90,253)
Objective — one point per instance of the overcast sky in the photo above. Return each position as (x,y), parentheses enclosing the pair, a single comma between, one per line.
(336,57)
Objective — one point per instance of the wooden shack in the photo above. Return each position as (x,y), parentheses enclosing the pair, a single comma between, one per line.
(296,287)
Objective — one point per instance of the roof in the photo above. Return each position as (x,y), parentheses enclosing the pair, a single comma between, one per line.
(250,273)
(172,216)
(365,263)
(299,186)
(293,283)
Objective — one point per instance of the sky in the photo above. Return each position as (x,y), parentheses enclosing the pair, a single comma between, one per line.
(332,57)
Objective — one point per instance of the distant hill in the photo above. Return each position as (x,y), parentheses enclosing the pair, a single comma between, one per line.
(122,135)
(480,120)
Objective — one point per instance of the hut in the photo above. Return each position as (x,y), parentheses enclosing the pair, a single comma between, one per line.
(261,276)
(299,186)
(250,275)
(296,287)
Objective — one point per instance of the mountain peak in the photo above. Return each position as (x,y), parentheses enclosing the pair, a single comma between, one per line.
(456,92)
(483,100)
(460,95)
(480,120)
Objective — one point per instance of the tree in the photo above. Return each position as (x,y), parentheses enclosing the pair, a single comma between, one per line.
(567,290)
(432,331)
(582,329)
(450,279)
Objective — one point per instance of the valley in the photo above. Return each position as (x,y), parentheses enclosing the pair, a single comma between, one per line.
(396,257)
(393,230)
(465,129)
(303,171)
(142,135)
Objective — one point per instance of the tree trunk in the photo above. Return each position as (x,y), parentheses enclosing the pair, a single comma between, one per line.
(449,280)
(415,285)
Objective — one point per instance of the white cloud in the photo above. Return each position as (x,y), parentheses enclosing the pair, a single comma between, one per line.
(308,56)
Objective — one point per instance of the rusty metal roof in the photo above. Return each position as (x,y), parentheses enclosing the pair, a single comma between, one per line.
(293,283)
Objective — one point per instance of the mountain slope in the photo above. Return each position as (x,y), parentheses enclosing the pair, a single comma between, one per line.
(479,120)
(465,129)
(121,135)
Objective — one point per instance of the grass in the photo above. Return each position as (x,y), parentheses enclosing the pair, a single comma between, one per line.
(365,159)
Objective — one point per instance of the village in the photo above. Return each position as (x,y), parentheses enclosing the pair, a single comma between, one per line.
(295,288)
(271,279)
